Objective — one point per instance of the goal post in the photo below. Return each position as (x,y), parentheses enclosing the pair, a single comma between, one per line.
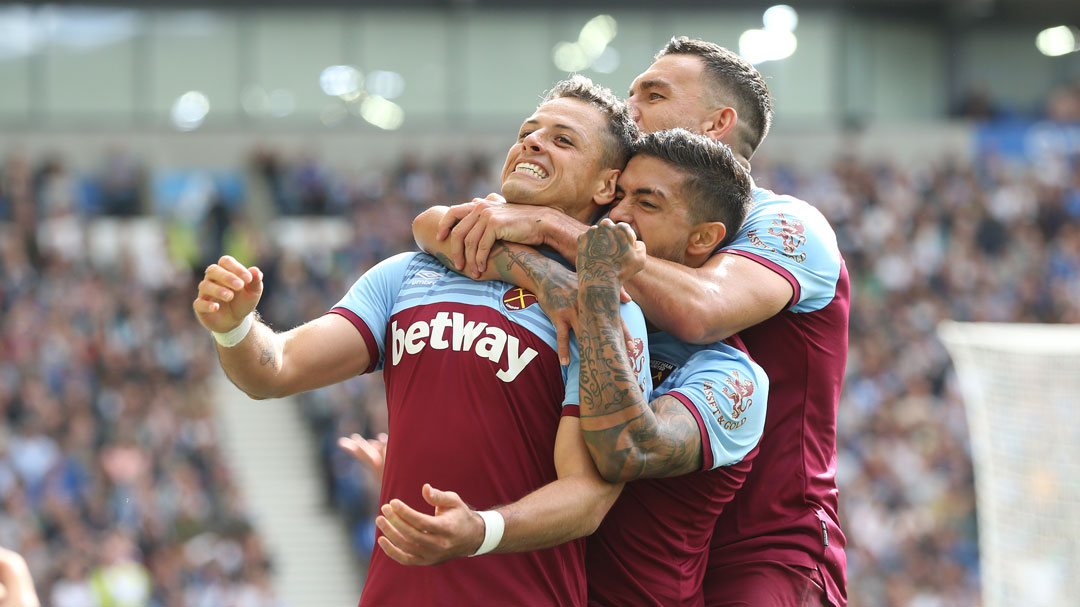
(1021,389)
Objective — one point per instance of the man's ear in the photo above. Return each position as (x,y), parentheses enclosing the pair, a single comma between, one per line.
(605,186)
(720,124)
(705,237)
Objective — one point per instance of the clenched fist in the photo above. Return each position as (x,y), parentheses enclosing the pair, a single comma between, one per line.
(228,292)
(609,250)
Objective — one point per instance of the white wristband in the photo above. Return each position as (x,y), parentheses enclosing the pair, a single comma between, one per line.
(237,335)
(494,525)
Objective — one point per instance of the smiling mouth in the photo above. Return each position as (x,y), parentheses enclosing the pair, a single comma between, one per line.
(531,169)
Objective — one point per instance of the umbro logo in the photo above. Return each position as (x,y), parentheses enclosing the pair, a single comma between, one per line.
(426,277)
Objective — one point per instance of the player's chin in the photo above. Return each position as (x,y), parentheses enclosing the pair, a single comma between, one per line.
(522,193)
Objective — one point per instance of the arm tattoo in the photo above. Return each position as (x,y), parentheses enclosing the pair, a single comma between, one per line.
(553,284)
(627,437)
(266,354)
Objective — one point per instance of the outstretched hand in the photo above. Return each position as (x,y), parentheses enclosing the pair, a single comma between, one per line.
(609,251)
(16,585)
(370,451)
(411,537)
(228,292)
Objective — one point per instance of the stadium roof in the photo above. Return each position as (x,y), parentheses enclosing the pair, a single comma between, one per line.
(955,11)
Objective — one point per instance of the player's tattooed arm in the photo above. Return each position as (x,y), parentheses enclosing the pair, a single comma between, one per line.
(554,285)
(627,437)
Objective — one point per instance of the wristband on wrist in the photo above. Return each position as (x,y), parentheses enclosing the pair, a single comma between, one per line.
(236,335)
(494,525)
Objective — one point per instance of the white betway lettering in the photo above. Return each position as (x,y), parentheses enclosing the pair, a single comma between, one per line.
(484,341)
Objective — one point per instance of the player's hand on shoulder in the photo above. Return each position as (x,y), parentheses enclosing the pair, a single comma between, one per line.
(610,247)
(228,292)
(411,537)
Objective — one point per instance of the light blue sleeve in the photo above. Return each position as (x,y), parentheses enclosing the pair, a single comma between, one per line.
(371,299)
(638,353)
(730,393)
(795,240)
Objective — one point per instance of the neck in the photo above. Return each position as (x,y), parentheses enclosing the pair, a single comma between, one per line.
(585,213)
(696,261)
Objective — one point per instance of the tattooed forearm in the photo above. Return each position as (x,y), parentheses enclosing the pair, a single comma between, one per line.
(627,436)
(553,283)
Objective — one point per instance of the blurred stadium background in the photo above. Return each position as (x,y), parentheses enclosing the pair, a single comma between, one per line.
(138,142)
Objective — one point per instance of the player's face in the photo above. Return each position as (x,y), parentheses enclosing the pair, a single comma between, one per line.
(556,160)
(649,198)
(670,94)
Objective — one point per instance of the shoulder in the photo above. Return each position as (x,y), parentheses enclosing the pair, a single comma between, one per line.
(723,360)
(787,214)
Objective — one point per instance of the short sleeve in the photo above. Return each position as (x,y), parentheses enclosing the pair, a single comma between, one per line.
(794,240)
(728,394)
(637,349)
(369,302)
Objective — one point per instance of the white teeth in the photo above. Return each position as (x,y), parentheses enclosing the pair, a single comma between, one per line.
(532,169)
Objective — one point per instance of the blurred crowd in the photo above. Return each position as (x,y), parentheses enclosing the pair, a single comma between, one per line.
(110,475)
(112,482)
(978,104)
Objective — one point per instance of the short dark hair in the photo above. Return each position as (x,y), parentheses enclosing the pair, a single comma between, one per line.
(621,130)
(716,188)
(736,82)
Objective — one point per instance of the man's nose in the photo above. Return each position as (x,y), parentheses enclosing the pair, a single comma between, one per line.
(532,142)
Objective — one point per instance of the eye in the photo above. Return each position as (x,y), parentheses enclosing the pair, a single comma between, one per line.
(655,96)
(645,204)
(523,134)
(564,140)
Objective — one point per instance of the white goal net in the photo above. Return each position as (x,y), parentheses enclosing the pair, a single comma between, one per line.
(1021,388)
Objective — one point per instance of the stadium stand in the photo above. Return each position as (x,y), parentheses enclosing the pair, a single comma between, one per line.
(108,449)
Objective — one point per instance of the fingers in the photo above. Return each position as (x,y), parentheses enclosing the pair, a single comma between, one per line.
(255,285)
(453,215)
(442,499)
(395,543)
(483,249)
(624,297)
(205,306)
(562,339)
(416,521)
(424,545)
(230,264)
(370,451)
(458,235)
(472,240)
(494,197)
(396,553)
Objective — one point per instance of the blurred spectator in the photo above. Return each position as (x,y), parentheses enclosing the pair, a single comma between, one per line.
(121,183)
(976,104)
(1064,103)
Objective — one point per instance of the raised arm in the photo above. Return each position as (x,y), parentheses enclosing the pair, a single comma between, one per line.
(571,507)
(703,305)
(261,362)
(628,437)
